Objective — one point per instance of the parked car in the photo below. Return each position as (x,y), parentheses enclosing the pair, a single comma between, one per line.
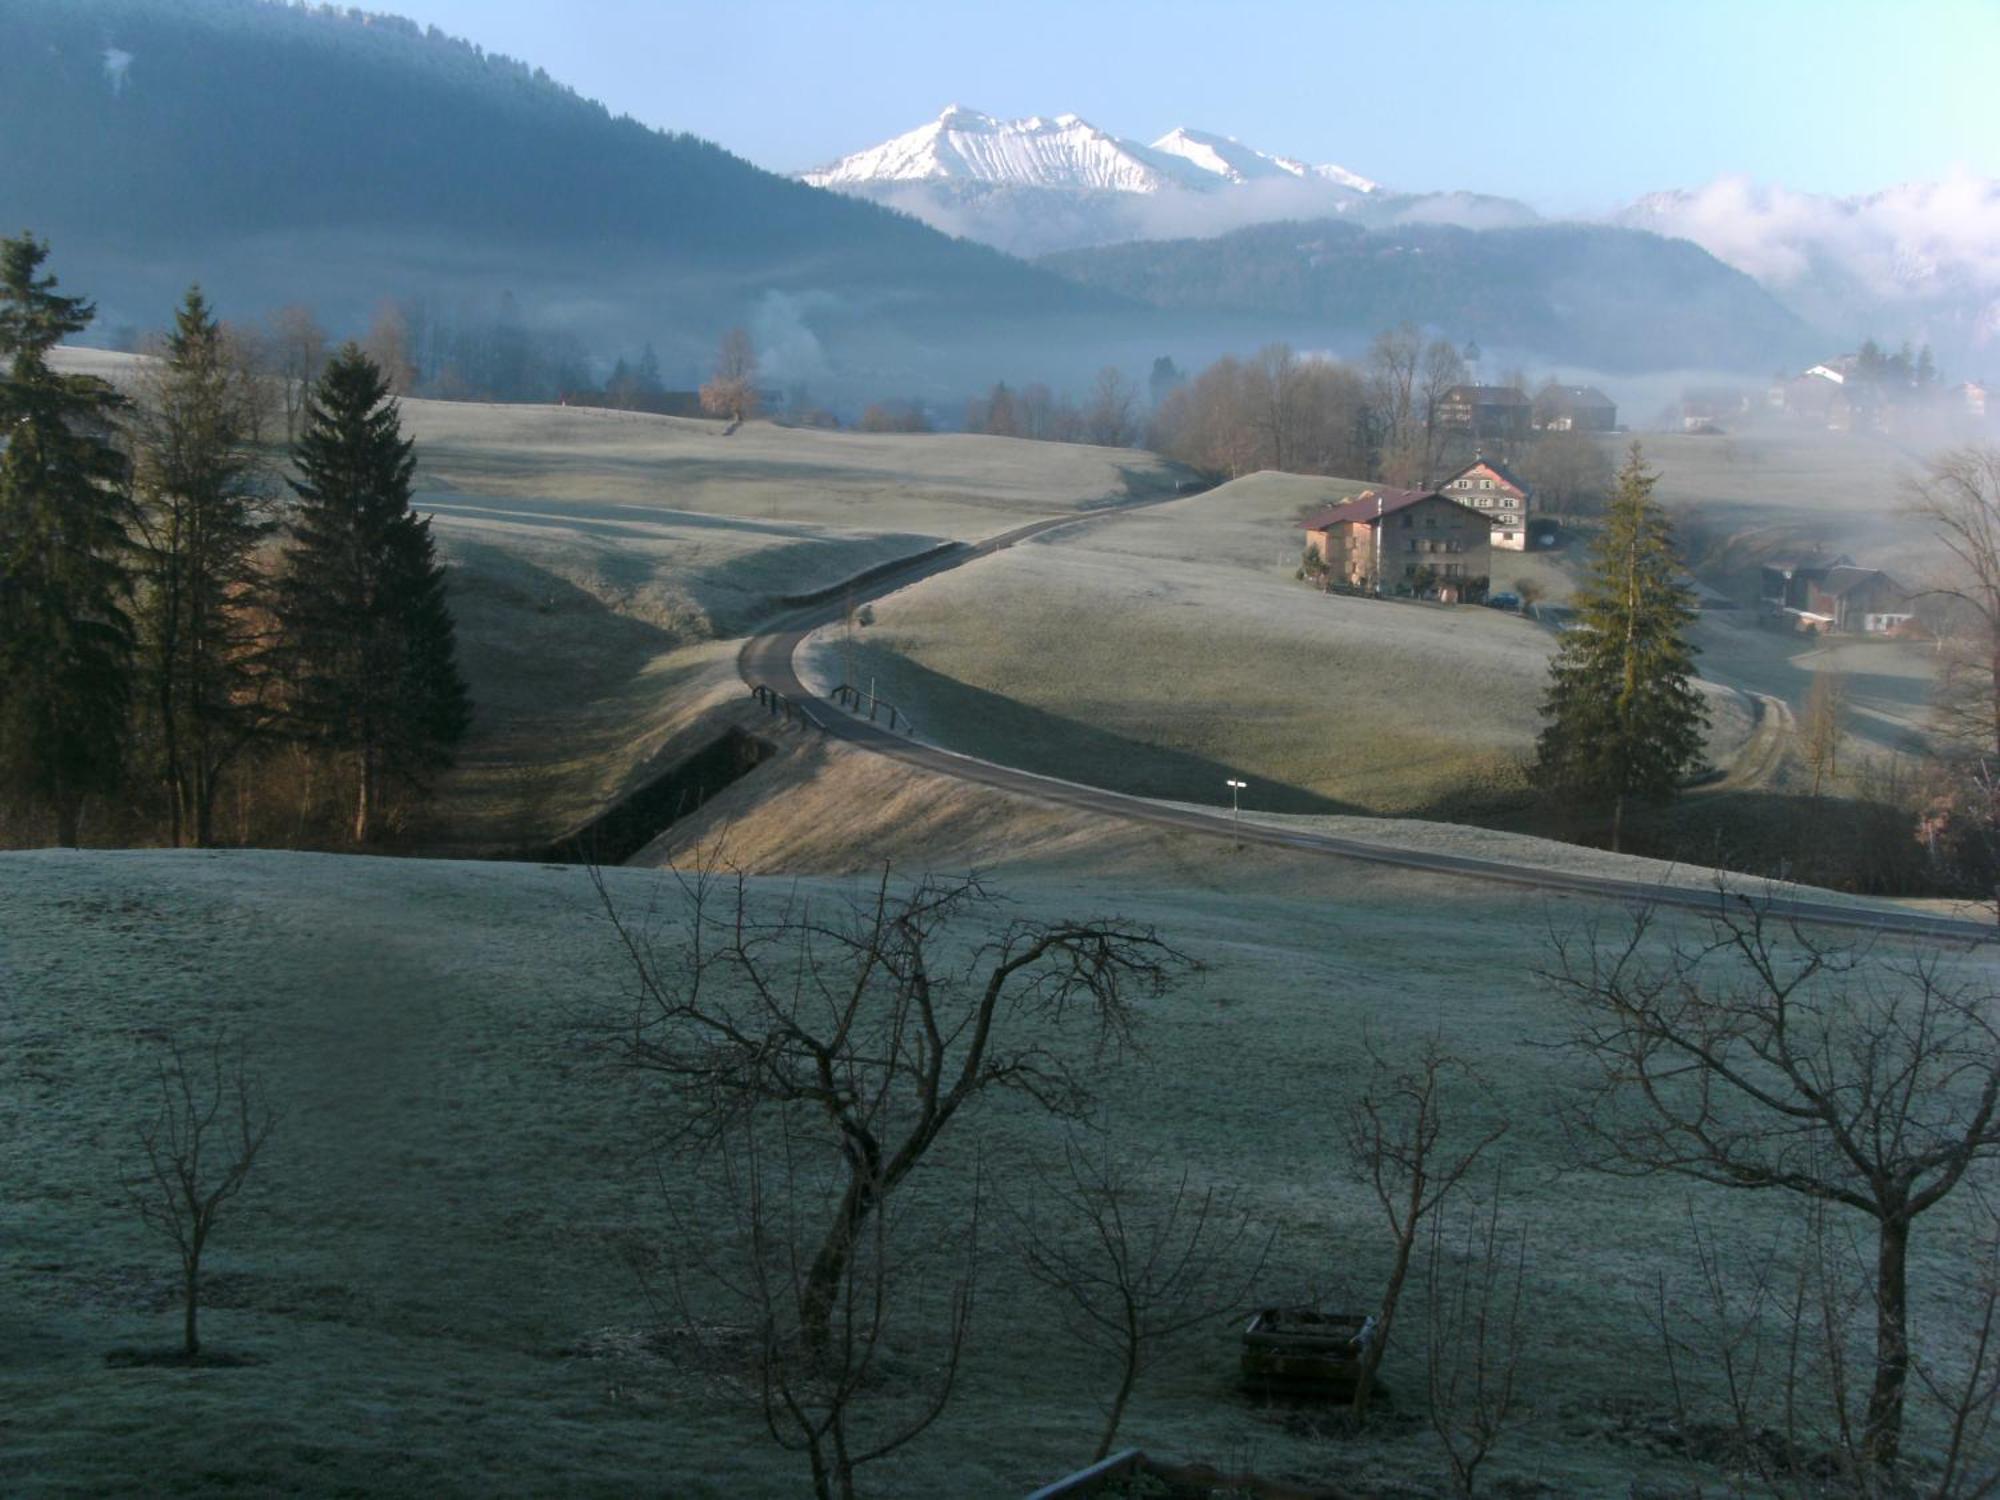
(1504,601)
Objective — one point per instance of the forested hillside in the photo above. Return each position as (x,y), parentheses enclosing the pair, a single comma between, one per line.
(282,153)
(1610,299)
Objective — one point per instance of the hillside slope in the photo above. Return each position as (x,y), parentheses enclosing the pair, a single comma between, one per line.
(279,154)
(1610,299)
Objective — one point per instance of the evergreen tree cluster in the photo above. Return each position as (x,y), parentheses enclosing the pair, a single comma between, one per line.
(167,628)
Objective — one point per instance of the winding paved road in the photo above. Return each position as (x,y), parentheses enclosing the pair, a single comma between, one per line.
(767,660)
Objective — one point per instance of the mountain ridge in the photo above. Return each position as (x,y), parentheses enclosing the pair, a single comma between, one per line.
(1918,259)
(1066,151)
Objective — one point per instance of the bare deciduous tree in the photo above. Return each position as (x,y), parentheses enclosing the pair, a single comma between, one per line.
(1968,1398)
(861,1014)
(1826,712)
(1404,1144)
(732,390)
(1272,390)
(1475,1336)
(199,1149)
(388,344)
(1442,368)
(1759,1058)
(1393,362)
(296,346)
(830,1399)
(1958,500)
(1571,472)
(1136,1272)
(1107,421)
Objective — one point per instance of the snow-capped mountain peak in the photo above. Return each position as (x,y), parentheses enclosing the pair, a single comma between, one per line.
(1066,152)
(1225,157)
(970,146)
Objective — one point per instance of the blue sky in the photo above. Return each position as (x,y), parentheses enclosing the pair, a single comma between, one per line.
(1570,105)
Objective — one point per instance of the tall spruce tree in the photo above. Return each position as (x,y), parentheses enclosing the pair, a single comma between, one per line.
(1623,719)
(203,493)
(65,626)
(366,630)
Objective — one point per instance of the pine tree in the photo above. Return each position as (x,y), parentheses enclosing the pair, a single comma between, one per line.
(65,630)
(1623,719)
(367,633)
(202,493)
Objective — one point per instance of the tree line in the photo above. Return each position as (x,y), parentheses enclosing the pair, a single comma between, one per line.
(1379,418)
(173,634)
(1108,417)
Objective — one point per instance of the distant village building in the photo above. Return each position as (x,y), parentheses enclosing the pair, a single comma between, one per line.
(1420,541)
(1713,409)
(1574,408)
(1485,485)
(1485,411)
(1837,595)
(1975,398)
(1825,396)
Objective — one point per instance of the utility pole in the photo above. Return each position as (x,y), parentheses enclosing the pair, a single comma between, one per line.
(1378,544)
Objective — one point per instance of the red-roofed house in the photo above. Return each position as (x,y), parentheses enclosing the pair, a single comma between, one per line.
(1486,486)
(1413,540)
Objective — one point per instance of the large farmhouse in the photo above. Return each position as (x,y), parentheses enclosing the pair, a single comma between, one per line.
(1402,541)
(1837,596)
(1575,408)
(1485,411)
(1487,487)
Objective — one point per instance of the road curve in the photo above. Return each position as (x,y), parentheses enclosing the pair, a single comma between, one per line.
(767,660)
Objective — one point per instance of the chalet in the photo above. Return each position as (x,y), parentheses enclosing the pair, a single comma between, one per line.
(1976,399)
(1403,541)
(1487,487)
(1837,596)
(1574,408)
(1486,411)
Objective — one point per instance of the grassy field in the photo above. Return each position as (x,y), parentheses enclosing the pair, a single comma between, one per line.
(599,557)
(438,1261)
(1766,493)
(600,562)
(1168,651)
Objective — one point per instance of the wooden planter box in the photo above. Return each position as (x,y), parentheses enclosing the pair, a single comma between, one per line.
(1302,1352)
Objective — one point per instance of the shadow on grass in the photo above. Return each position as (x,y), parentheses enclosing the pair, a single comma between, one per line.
(1854,845)
(178,1359)
(529,640)
(743,591)
(974,721)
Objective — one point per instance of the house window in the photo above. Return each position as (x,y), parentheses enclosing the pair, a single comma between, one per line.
(1406,523)
(1486,484)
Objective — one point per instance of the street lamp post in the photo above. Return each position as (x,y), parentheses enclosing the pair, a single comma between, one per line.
(1235,807)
